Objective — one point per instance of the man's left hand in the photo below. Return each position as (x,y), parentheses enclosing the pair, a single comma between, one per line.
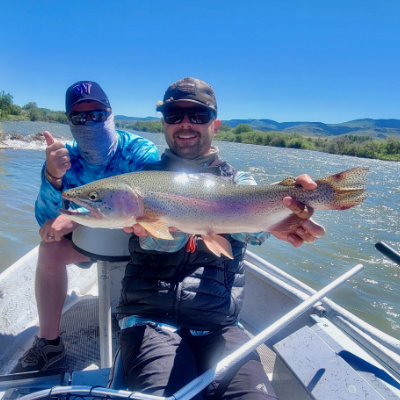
(298,227)
(53,230)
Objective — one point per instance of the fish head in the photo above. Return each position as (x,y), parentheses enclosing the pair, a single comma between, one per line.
(108,204)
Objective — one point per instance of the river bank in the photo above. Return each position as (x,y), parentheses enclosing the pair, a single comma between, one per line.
(387,149)
(349,145)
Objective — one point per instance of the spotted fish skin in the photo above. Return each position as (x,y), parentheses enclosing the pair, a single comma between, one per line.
(204,204)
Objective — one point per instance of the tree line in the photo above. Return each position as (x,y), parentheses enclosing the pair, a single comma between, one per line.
(351,145)
(30,111)
(141,126)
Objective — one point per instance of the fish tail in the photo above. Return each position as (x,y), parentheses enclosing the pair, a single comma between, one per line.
(349,187)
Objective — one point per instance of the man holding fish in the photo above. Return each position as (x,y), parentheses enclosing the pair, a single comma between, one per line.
(183,288)
(181,298)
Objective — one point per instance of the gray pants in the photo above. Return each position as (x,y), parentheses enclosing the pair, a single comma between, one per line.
(159,362)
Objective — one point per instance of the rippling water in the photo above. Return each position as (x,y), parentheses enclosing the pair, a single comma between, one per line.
(373,295)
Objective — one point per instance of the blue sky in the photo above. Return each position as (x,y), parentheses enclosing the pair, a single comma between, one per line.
(286,60)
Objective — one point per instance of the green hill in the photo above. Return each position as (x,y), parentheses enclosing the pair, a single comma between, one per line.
(376,128)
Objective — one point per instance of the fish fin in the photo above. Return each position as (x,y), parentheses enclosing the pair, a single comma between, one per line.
(288,182)
(349,187)
(156,228)
(218,245)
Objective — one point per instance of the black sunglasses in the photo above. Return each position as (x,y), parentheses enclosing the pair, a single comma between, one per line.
(80,118)
(195,115)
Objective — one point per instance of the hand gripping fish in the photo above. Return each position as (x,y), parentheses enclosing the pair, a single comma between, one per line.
(204,204)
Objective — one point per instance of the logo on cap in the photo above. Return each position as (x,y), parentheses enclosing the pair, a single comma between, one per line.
(187,87)
(83,87)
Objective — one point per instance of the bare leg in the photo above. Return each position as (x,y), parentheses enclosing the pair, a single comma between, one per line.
(51,283)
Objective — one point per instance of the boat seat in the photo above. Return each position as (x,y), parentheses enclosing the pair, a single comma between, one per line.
(321,372)
(102,244)
(106,247)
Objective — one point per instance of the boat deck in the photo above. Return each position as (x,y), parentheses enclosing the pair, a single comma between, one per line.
(326,350)
(80,333)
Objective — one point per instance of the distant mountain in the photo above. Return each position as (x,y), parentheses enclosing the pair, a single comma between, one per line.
(378,128)
(368,127)
(125,118)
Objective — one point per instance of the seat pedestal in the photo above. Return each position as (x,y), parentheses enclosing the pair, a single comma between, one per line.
(106,247)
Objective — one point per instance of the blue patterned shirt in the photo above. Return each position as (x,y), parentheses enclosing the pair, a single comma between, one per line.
(133,153)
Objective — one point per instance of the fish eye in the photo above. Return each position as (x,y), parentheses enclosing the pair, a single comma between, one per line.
(93,196)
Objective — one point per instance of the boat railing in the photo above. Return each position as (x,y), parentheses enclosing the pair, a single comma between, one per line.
(379,344)
(388,251)
(89,392)
(198,384)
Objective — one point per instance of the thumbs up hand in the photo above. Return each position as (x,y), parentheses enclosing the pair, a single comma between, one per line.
(57,157)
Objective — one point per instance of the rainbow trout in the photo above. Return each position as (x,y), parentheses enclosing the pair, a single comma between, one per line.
(204,204)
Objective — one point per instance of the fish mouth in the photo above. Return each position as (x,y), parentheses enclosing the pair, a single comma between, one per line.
(85,210)
(82,213)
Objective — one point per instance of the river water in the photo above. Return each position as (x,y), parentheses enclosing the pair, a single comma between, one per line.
(373,294)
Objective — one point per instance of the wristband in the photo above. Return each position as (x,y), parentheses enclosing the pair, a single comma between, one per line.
(51,178)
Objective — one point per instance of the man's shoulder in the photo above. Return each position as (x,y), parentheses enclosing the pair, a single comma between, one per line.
(129,136)
(129,139)
(135,150)
(239,177)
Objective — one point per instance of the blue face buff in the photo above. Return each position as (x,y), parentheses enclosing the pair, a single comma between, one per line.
(96,141)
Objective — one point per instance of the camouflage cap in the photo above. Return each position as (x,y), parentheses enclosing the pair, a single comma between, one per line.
(189,89)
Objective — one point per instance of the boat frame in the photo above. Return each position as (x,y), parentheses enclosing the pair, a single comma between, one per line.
(274,328)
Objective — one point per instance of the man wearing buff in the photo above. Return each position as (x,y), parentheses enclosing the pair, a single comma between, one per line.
(98,151)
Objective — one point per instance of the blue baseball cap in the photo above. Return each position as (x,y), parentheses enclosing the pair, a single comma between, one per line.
(84,91)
